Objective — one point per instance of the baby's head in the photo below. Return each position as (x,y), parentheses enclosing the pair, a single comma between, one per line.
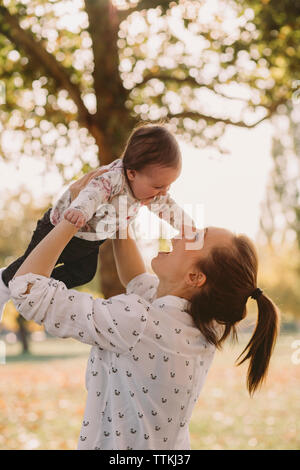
(152,161)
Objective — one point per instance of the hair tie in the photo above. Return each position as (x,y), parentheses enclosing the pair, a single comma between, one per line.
(256,293)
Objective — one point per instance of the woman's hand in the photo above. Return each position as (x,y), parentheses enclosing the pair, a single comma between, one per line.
(80,184)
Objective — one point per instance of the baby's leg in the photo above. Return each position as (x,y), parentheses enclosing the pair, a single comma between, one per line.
(80,258)
(77,272)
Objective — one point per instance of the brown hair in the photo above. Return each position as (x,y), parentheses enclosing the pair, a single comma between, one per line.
(231,276)
(150,144)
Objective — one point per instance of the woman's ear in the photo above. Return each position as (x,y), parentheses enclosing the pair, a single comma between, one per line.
(131,174)
(196,279)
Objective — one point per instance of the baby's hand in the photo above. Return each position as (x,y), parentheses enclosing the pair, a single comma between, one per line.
(76,217)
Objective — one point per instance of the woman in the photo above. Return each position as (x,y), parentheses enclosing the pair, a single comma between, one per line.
(152,346)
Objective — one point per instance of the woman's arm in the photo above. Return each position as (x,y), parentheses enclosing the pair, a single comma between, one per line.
(115,324)
(44,256)
(128,259)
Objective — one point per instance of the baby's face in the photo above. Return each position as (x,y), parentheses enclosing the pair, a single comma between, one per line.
(153,180)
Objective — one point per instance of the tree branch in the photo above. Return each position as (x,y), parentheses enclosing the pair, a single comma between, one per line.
(196,116)
(25,40)
(145,5)
(186,81)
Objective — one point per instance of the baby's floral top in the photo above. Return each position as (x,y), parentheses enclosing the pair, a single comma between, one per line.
(109,205)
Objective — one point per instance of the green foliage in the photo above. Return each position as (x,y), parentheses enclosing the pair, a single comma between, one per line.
(91,55)
(280,218)
(277,43)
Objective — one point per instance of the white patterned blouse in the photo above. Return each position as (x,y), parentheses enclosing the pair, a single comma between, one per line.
(147,364)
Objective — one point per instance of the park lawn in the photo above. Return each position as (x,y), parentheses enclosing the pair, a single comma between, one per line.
(42,400)
(225,417)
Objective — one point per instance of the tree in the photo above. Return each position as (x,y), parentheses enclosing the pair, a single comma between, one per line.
(200,67)
(280,219)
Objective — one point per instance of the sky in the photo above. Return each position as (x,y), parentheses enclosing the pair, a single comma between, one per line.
(233,186)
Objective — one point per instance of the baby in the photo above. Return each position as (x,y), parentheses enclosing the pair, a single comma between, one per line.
(150,163)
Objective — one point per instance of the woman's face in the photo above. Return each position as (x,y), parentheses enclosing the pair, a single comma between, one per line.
(176,267)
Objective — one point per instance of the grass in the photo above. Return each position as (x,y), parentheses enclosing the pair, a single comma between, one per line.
(42,400)
(225,417)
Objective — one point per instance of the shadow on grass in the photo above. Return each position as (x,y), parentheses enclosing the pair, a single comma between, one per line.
(30,357)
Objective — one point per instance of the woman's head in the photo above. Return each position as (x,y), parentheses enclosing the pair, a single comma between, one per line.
(152,161)
(218,280)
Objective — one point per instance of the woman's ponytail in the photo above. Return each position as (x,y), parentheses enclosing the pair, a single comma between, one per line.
(262,342)
(231,277)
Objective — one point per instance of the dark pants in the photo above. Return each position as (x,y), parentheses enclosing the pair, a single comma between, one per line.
(80,257)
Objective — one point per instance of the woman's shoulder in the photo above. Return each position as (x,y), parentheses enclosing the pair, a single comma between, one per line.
(144,285)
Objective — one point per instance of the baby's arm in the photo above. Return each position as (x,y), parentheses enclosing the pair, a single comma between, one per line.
(167,209)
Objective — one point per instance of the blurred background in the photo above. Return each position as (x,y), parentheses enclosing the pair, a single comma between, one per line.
(75,77)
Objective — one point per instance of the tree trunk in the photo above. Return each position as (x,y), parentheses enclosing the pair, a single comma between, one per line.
(109,280)
(111,124)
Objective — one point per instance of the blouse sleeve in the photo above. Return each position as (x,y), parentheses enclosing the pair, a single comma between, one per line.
(99,191)
(145,285)
(115,324)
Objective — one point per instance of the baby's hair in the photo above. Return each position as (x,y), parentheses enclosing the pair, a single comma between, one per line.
(150,144)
